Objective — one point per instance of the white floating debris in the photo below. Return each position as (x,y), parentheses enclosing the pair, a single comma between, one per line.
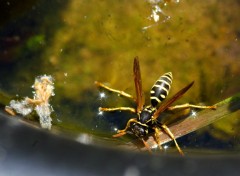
(157,14)
(21,107)
(156,11)
(44,112)
(43,90)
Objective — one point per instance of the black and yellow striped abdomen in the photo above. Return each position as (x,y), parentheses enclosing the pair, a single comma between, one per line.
(160,89)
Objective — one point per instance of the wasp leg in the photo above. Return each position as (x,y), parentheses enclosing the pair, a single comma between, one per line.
(191,106)
(167,130)
(124,131)
(146,145)
(119,134)
(118,109)
(122,93)
(157,137)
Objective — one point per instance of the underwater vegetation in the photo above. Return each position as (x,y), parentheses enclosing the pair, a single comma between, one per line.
(79,42)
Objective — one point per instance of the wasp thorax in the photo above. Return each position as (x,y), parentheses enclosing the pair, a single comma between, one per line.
(160,89)
(146,114)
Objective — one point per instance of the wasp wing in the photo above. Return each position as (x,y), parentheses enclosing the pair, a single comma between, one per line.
(138,84)
(171,100)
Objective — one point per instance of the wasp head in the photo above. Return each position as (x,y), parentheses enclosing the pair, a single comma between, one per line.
(139,130)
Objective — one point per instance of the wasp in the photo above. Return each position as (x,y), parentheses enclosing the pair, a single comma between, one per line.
(148,116)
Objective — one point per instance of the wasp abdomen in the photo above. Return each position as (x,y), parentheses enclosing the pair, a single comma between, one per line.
(160,89)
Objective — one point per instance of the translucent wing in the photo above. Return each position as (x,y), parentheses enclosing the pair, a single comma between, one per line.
(171,100)
(138,85)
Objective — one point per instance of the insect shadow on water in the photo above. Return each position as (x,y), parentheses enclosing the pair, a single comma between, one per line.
(148,119)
